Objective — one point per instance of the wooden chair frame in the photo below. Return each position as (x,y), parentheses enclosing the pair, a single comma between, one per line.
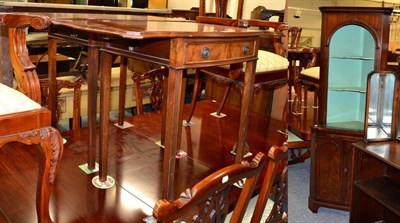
(211,195)
(31,127)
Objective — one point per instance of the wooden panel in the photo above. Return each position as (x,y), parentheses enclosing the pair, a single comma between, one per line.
(213,51)
(157,4)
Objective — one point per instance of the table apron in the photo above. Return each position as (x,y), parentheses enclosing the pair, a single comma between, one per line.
(184,53)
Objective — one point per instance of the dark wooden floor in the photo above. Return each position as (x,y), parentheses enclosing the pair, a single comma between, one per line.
(135,162)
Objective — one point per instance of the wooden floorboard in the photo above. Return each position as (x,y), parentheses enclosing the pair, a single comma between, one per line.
(135,162)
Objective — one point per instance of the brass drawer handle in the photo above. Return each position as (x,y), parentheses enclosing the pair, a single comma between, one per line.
(205,52)
(74,35)
(245,49)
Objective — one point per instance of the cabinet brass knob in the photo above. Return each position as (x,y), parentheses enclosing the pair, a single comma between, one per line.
(205,52)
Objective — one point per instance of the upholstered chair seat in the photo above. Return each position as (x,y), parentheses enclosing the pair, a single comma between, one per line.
(312,72)
(12,101)
(268,61)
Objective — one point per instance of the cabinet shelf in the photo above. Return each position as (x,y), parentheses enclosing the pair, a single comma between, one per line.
(384,190)
(355,126)
(352,57)
(349,89)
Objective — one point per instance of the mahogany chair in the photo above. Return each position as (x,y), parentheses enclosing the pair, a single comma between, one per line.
(21,116)
(272,67)
(308,79)
(66,82)
(149,84)
(72,79)
(275,175)
(208,200)
(294,37)
(296,64)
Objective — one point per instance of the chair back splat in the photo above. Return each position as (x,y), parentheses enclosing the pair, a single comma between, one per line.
(208,200)
(149,84)
(294,37)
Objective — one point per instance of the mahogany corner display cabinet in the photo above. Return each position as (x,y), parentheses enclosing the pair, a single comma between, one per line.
(354,42)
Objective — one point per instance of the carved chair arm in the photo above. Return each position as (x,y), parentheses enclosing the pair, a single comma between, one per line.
(24,70)
(167,211)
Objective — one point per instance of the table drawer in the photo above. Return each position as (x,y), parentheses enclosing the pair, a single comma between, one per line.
(201,52)
(70,34)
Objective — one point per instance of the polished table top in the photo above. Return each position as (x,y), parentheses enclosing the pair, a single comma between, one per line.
(7,6)
(177,44)
(140,26)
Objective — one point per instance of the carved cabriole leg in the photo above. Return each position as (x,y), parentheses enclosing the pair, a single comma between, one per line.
(51,145)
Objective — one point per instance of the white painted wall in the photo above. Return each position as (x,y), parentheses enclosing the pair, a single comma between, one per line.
(249,5)
(310,19)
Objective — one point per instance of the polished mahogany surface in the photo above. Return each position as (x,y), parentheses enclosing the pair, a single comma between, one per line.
(176,45)
(387,152)
(376,192)
(134,161)
(6,6)
(141,26)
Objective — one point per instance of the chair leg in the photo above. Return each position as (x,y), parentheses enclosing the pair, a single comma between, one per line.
(315,99)
(122,90)
(305,102)
(76,117)
(227,89)
(296,106)
(50,142)
(196,92)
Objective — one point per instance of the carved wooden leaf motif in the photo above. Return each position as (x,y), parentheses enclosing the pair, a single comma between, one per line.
(49,140)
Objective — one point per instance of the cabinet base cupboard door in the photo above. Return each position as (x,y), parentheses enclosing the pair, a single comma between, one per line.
(331,169)
(354,42)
